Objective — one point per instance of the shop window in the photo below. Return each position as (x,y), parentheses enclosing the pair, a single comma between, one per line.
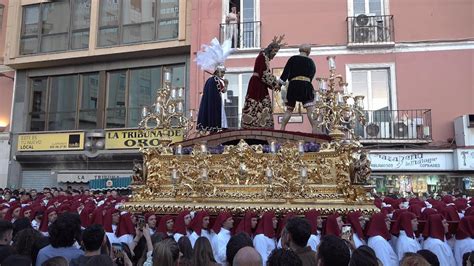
(55,26)
(418,184)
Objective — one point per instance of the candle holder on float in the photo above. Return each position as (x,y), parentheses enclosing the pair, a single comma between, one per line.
(335,108)
(168,109)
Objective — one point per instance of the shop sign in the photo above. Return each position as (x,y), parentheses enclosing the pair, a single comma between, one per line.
(51,141)
(86,176)
(465,159)
(134,138)
(417,161)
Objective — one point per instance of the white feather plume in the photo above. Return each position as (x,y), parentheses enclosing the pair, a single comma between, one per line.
(213,54)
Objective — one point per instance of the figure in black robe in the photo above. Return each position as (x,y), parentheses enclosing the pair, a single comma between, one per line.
(211,116)
(299,71)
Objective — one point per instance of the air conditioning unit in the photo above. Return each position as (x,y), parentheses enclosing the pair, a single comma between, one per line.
(464,130)
(405,129)
(362,29)
(380,130)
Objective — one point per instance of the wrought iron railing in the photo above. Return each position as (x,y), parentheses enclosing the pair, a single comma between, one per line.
(396,125)
(366,29)
(243,35)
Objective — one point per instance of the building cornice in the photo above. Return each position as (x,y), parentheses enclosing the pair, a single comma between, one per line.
(344,50)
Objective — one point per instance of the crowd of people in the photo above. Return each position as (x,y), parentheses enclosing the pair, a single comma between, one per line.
(77,227)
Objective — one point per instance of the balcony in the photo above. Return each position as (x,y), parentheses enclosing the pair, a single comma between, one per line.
(396,126)
(364,30)
(244,35)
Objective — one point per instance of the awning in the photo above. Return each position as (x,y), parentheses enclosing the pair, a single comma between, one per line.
(111,183)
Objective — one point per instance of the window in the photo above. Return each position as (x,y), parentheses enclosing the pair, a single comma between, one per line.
(137,21)
(71,102)
(235,97)
(63,102)
(143,85)
(2,7)
(129,90)
(55,26)
(89,101)
(368,7)
(116,99)
(54,30)
(54,102)
(108,23)
(376,82)
(81,16)
(168,19)
(246,33)
(38,104)
(373,84)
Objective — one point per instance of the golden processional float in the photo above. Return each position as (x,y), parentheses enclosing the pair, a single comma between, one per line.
(279,177)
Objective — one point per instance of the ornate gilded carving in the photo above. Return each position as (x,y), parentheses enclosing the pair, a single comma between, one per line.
(244,177)
(245,174)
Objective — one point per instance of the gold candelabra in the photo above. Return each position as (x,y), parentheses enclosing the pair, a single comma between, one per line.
(336,109)
(168,109)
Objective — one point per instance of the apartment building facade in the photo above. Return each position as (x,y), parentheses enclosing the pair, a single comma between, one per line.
(412,60)
(84,69)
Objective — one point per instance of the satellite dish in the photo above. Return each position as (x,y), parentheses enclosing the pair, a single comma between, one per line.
(372,130)
(362,20)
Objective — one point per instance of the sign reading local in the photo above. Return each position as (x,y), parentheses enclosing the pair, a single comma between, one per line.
(51,141)
(411,161)
(134,138)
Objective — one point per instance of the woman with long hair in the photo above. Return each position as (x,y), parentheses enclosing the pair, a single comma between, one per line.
(203,255)
(166,253)
(186,252)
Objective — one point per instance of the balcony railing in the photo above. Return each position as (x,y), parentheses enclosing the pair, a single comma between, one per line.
(402,125)
(370,30)
(244,35)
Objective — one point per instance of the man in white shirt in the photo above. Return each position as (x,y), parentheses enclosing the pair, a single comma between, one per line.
(222,227)
(265,241)
(407,241)
(464,238)
(378,236)
(200,226)
(435,231)
(316,222)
